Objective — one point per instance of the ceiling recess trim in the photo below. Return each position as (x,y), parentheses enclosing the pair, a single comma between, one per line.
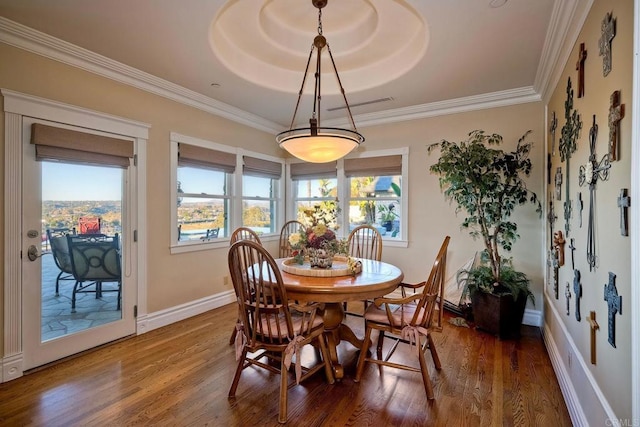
(23,37)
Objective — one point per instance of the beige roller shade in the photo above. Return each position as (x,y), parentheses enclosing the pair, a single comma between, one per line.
(373,166)
(206,158)
(261,167)
(313,170)
(58,144)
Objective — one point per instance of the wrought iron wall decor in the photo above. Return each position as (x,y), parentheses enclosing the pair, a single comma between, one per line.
(567,146)
(589,174)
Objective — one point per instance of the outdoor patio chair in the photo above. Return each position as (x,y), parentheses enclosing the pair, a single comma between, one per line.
(57,238)
(94,261)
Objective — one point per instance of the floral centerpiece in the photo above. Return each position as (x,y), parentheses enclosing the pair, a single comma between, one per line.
(317,240)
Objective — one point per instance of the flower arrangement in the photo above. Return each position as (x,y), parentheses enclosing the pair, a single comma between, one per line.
(317,240)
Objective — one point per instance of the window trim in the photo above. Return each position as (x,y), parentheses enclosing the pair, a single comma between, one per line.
(234,194)
(404,203)
(344,191)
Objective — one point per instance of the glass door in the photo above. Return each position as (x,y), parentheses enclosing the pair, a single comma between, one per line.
(76,290)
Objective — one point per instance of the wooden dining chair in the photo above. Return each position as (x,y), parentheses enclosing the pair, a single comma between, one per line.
(289,228)
(409,318)
(242,233)
(270,327)
(364,241)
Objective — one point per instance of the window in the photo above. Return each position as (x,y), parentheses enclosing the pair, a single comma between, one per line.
(362,190)
(314,184)
(217,188)
(375,193)
(204,176)
(260,194)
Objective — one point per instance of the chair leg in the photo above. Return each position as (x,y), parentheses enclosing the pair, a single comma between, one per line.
(425,376)
(119,295)
(434,352)
(379,345)
(58,284)
(73,297)
(284,388)
(328,370)
(232,338)
(363,354)
(236,377)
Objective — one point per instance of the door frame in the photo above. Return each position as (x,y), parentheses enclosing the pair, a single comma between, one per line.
(17,105)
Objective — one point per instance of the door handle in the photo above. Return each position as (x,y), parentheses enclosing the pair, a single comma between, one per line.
(32,253)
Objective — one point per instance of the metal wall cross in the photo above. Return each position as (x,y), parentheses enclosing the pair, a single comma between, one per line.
(608,33)
(624,201)
(558,182)
(553,125)
(614,303)
(589,174)
(593,325)
(577,290)
(582,56)
(567,294)
(567,146)
(616,113)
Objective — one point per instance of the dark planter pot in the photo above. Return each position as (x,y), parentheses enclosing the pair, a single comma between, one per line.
(498,315)
(388,225)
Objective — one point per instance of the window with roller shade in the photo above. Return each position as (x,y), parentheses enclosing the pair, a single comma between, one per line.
(260,194)
(314,184)
(375,193)
(203,196)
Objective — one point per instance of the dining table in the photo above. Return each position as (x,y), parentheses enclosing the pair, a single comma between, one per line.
(333,288)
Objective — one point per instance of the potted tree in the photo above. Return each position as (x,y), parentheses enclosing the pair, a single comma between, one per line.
(487,184)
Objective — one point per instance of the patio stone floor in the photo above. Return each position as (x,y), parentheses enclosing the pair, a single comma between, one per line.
(57,319)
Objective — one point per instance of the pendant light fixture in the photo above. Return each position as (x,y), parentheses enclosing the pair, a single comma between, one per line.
(317,144)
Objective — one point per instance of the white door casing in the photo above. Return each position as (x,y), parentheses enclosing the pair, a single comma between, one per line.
(20,108)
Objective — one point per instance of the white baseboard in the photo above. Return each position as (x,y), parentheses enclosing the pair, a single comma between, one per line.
(586,403)
(151,321)
(578,417)
(11,367)
(532,318)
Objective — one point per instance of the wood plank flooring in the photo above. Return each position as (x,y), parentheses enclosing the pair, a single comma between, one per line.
(180,375)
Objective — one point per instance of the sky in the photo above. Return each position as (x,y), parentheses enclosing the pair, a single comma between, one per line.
(63,181)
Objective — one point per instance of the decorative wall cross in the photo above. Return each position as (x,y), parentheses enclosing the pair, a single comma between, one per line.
(573,249)
(567,294)
(614,303)
(593,325)
(624,201)
(551,218)
(580,206)
(616,113)
(558,244)
(549,168)
(558,182)
(567,146)
(608,33)
(582,56)
(577,290)
(553,125)
(589,174)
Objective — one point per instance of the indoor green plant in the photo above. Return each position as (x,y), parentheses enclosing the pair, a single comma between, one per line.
(487,184)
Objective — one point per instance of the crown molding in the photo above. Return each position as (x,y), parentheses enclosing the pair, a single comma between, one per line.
(23,37)
(452,106)
(566,22)
(34,41)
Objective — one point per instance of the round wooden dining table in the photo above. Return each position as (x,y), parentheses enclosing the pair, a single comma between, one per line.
(376,279)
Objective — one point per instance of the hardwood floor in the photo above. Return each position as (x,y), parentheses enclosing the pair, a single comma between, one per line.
(180,375)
